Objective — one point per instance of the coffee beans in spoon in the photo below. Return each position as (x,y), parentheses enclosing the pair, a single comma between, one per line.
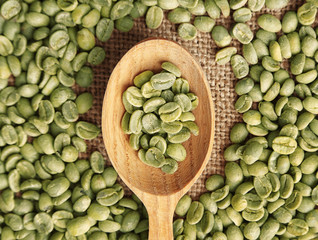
(159,117)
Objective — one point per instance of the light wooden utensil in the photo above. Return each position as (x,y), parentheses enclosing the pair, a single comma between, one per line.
(158,191)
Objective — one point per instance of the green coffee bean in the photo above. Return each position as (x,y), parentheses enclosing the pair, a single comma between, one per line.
(91,19)
(294,42)
(168,5)
(195,212)
(287,88)
(237,4)
(110,176)
(269,23)
(262,186)
(120,10)
(176,151)
(276,4)
(308,166)
(270,64)
(78,226)
(150,122)
(84,77)
(224,7)
(170,112)
(250,53)
(192,126)
(130,221)
(242,15)
(104,29)
(148,91)
(269,229)
(256,5)
(257,169)
(243,104)
(214,182)
(307,77)
(240,66)
(309,104)
(58,39)
(199,9)
(86,130)
(183,205)
(98,212)
(306,14)
(238,133)
(7,201)
(224,55)
(234,216)
(260,48)
(252,117)
(187,31)
(297,227)
(154,17)
(158,142)
(252,230)
(220,194)
(142,78)
(285,47)
(179,15)
(221,36)
(154,157)
(170,166)
(234,174)
(266,81)
(85,39)
(204,23)
(180,86)
(84,102)
(307,31)
(109,196)
(96,56)
(212,9)
(187,117)
(275,51)
(162,81)
(266,36)
(289,22)
(242,33)
(97,162)
(58,186)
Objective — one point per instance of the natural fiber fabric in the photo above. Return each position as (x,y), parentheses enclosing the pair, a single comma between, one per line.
(221,80)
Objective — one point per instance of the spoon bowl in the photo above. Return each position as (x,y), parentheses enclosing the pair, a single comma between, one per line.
(160,192)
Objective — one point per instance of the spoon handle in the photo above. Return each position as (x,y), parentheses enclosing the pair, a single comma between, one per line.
(160,211)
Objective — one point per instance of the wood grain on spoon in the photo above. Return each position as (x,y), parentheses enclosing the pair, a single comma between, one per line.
(158,191)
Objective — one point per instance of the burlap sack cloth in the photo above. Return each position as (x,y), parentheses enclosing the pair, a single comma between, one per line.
(221,80)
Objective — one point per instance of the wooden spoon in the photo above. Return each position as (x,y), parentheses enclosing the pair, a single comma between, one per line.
(158,191)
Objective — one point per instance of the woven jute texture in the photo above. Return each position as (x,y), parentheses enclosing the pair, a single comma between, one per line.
(203,49)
